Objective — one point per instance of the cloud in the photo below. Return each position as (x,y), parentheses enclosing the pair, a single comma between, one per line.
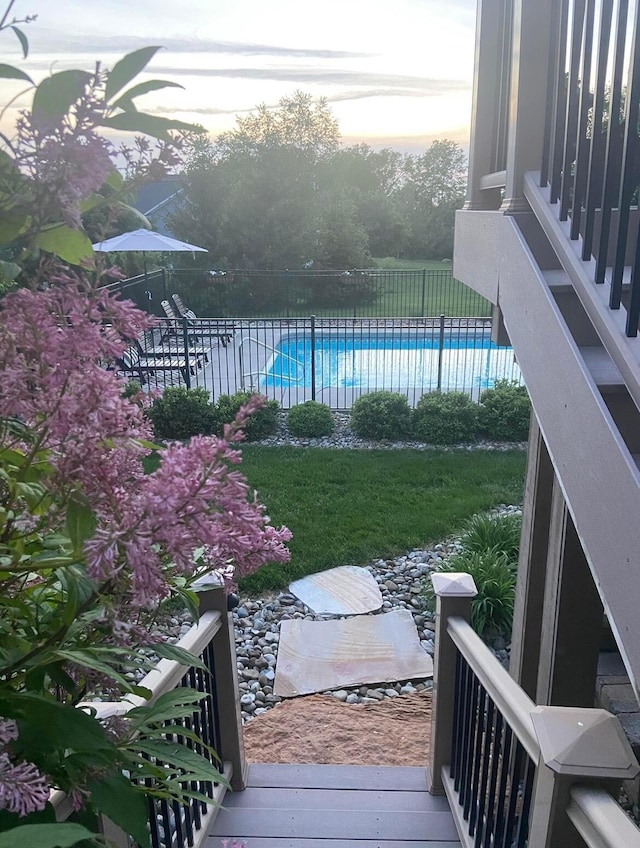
(65,43)
(389,83)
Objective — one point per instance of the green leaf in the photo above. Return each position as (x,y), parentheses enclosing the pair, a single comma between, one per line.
(70,245)
(24,42)
(148,124)
(174,652)
(117,798)
(9,72)
(56,94)
(81,522)
(125,101)
(115,180)
(46,725)
(127,68)
(9,270)
(89,659)
(158,711)
(13,225)
(58,835)
(179,756)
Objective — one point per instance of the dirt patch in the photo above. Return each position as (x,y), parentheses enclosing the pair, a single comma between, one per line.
(321,729)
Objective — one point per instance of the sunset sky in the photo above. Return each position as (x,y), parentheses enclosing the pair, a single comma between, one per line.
(395,74)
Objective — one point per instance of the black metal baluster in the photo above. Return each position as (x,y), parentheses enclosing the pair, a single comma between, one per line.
(511,820)
(480,754)
(571,127)
(490,751)
(559,128)
(628,183)
(583,142)
(552,92)
(468,735)
(595,170)
(613,151)
(475,742)
(525,804)
(502,790)
(497,753)
(454,758)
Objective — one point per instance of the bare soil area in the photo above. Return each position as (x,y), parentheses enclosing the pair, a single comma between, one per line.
(321,729)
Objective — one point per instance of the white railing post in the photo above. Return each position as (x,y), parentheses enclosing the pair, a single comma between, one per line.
(213,598)
(584,746)
(454,593)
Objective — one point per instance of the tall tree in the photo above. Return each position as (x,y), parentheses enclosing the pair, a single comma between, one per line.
(434,189)
(298,123)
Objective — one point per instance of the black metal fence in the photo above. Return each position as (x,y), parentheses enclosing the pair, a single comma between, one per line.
(332,360)
(364,293)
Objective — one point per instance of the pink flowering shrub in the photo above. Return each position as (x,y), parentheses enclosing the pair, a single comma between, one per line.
(90,543)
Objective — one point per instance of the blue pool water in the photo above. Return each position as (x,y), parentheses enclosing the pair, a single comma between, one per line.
(466,359)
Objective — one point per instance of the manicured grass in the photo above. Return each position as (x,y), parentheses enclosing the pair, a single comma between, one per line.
(390,262)
(346,507)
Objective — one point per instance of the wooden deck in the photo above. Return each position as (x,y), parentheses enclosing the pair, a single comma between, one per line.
(331,806)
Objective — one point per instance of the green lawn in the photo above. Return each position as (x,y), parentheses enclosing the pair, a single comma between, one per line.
(346,507)
(391,263)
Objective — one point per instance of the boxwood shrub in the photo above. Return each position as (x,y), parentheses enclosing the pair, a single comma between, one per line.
(445,418)
(260,425)
(504,412)
(310,420)
(180,413)
(381,415)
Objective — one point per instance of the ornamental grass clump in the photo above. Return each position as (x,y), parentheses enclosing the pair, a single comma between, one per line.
(310,420)
(381,415)
(489,553)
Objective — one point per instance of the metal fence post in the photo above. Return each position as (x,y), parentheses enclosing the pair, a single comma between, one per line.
(185,341)
(454,593)
(313,357)
(424,286)
(213,597)
(440,351)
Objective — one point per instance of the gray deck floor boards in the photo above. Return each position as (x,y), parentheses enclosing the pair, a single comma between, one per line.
(325,806)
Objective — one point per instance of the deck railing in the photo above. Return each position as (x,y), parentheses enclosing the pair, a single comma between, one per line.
(574,79)
(216,721)
(516,774)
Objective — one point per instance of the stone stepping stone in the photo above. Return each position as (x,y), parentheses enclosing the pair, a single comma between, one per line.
(346,590)
(314,656)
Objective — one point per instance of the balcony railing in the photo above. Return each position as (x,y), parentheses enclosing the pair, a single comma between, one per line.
(574,116)
(516,774)
(216,721)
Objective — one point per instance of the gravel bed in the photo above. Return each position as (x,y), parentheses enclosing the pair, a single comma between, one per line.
(344,437)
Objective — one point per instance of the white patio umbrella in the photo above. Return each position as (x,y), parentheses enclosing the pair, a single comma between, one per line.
(146,241)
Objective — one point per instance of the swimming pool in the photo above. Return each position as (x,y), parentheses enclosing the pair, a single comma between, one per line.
(425,361)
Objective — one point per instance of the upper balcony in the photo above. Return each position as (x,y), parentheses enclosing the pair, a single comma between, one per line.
(555,122)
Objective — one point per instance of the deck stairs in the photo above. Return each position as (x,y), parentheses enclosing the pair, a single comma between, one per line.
(335,806)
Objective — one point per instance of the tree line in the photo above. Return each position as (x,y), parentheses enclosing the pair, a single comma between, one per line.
(279,191)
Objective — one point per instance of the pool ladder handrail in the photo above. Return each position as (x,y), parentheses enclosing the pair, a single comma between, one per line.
(271,348)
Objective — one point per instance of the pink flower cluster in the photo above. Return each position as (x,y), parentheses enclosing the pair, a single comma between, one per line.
(23,789)
(53,353)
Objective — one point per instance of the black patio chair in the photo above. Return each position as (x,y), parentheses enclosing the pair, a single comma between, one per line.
(203,326)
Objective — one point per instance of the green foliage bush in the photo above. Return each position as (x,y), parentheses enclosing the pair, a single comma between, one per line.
(500,533)
(381,415)
(489,553)
(504,412)
(310,420)
(260,425)
(180,413)
(445,418)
